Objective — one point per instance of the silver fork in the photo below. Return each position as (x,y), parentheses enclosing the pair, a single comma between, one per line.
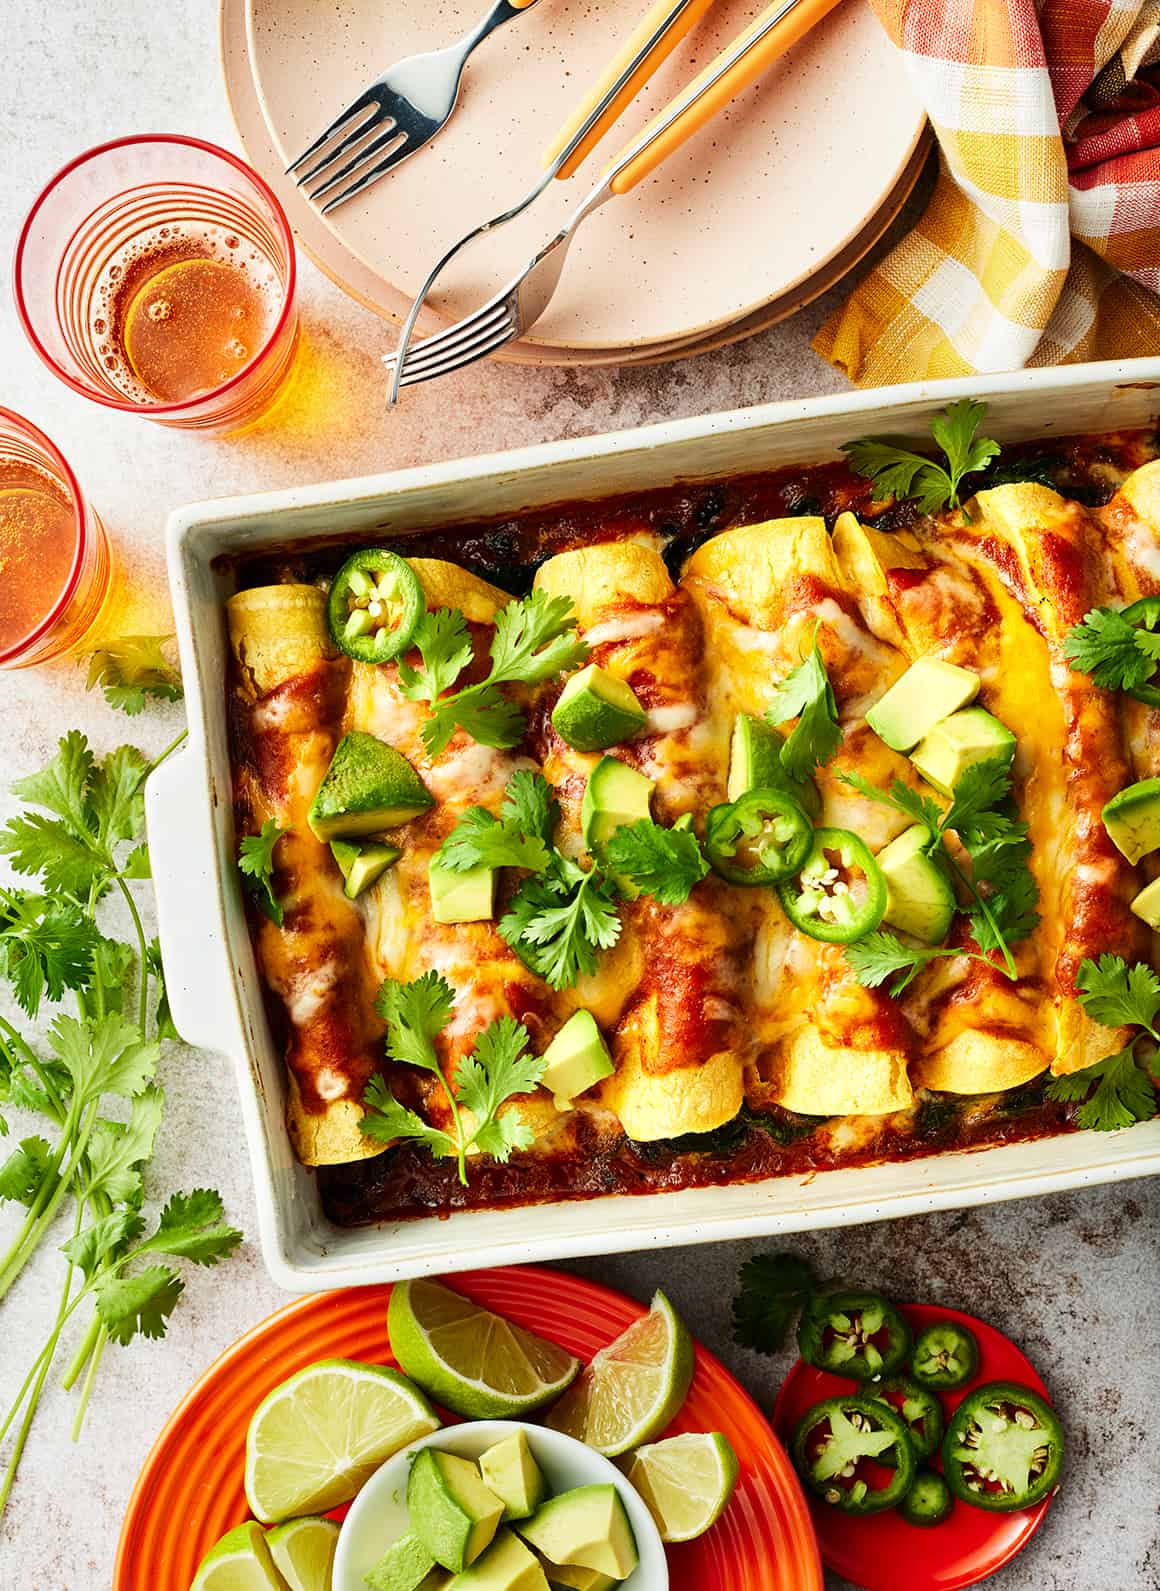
(516,307)
(395,115)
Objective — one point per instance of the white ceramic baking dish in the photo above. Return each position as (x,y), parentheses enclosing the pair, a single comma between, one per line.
(213,983)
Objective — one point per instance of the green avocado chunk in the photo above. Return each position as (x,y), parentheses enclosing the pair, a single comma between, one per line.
(928,692)
(1132,819)
(596,710)
(572,1577)
(509,1469)
(461,897)
(363,865)
(577,1058)
(588,1527)
(405,1566)
(368,787)
(958,743)
(452,1512)
(755,764)
(920,900)
(1147,904)
(507,1565)
(616,794)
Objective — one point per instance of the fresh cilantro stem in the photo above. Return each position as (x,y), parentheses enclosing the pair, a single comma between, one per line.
(456,1117)
(986,912)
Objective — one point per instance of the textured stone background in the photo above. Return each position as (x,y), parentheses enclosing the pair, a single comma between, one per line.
(1072,1277)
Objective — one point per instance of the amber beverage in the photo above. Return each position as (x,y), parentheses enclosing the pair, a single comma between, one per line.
(156,275)
(54,555)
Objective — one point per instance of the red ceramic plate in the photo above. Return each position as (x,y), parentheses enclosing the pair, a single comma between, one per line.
(190,1491)
(883,1552)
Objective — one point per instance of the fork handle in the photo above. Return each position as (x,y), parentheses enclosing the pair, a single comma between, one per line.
(574,149)
(775,31)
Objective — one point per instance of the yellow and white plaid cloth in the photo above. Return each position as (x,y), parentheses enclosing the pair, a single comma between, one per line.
(1041,241)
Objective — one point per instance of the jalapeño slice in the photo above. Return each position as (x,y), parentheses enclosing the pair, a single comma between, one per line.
(860,1335)
(838,893)
(375,604)
(1003,1449)
(760,838)
(919,1408)
(929,1500)
(1144,614)
(945,1356)
(836,1451)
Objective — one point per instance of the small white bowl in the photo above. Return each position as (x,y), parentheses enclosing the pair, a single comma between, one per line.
(378,1514)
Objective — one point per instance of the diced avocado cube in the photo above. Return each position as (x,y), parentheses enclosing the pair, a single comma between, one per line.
(452,1512)
(958,743)
(596,710)
(588,1527)
(572,1577)
(1147,904)
(405,1566)
(461,897)
(509,1469)
(928,692)
(1132,819)
(363,865)
(368,787)
(577,1058)
(616,794)
(755,764)
(920,900)
(507,1565)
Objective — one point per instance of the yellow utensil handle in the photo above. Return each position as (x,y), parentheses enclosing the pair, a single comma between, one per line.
(521,5)
(693,11)
(712,90)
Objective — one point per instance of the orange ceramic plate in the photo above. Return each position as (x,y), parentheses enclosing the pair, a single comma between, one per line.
(190,1491)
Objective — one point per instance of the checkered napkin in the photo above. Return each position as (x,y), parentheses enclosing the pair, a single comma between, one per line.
(1041,241)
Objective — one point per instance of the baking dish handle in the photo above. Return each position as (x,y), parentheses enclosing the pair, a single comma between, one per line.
(190,921)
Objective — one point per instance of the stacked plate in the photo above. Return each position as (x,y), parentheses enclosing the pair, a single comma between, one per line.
(761,211)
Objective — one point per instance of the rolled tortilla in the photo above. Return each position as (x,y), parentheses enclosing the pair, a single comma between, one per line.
(290,694)
(672,985)
(821,1044)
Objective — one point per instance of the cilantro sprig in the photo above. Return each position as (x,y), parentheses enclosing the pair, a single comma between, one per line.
(498,1068)
(132,669)
(256,865)
(663,863)
(1118,655)
(807,695)
(534,640)
(899,471)
(774,1289)
(1000,889)
(1118,1090)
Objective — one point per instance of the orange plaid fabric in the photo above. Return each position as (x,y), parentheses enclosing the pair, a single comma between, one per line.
(1041,242)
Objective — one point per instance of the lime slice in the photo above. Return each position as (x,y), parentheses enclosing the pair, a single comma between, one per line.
(632,1388)
(239,1562)
(303,1552)
(686,1482)
(319,1437)
(470,1360)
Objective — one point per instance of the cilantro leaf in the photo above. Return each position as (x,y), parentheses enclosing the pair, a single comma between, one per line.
(46,947)
(910,803)
(116,796)
(981,789)
(132,668)
(502,1135)
(1121,1092)
(445,647)
(114,964)
(140,1305)
(807,695)
(535,640)
(28,1169)
(192,1226)
(774,1288)
(559,920)
(882,955)
(256,864)
(481,711)
(106,1239)
(117,1150)
(1117,995)
(530,806)
(386,1121)
(65,862)
(664,863)
(1117,655)
(498,1067)
(166,1028)
(414,1013)
(899,471)
(520,837)
(62,787)
(103,1055)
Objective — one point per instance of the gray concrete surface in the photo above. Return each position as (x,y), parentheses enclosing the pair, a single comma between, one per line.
(1072,1277)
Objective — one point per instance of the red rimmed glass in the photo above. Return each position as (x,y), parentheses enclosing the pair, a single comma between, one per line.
(54,552)
(126,216)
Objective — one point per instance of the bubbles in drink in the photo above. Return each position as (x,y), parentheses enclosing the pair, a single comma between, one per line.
(37,545)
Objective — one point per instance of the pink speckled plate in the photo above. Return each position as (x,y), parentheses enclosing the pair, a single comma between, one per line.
(755,206)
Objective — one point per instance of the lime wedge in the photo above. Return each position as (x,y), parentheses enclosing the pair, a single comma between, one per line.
(239,1562)
(686,1482)
(320,1436)
(470,1360)
(303,1552)
(632,1388)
